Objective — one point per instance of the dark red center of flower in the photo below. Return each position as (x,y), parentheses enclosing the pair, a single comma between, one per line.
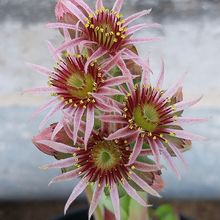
(73,84)
(104,161)
(106,28)
(148,111)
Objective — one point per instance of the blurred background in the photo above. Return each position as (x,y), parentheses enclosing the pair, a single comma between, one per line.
(190,42)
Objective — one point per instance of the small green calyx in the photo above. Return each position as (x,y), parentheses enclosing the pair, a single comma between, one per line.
(80,85)
(146,117)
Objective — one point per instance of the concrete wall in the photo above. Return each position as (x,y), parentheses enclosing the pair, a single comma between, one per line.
(191,41)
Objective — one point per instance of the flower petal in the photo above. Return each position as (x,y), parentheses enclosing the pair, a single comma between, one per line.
(187,120)
(137,149)
(64,26)
(40,69)
(84,6)
(115,81)
(99,4)
(115,200)
(145,167)
(112,118)
(136,16)
(60,147)
(96,198)
(121,133)
(52,50)
(139,27)
(109,91)
(79,188)
(155,150)
(160,80)
(118,5)
(76,123)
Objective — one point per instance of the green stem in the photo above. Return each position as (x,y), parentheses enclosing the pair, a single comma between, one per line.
(98,215)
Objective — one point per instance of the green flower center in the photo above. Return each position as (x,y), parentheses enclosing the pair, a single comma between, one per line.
(80,85)
(106,155)
(146,117)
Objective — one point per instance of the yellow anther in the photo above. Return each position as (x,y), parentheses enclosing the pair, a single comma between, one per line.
(66,102)
(130,172)
(125,109)
(127,149)
(86,25)
(123,36)
(99,185)
(125,141)
(81,102)
(111,33)
(161,135)
(70,101)
(173,107)
(123,21)
(102,30)
(133,167)
(92,64)
(154,138)
(99,75)
(97,28)
(149,134)
(166,141)
(80,173)
(75,105)
(118,33)
(169,100)
(90,15)
(92,26)
(62,98)
(131,126)
(172,134)
(88,100)
(78,55)
(116,141)
(121,29)
(93,101)
(107,34)
(84,106)
(143,135)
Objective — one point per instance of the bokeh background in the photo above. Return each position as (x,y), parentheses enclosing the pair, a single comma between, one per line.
(190,42)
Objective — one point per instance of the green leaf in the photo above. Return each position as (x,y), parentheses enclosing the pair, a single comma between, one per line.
(165,212)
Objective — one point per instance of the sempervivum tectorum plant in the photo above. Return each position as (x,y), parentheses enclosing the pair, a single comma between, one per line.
(103,29)
(79,92)
(154,114)
(104,165)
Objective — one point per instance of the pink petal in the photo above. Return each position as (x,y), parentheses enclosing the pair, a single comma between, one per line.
(144,167)
(139,27)
(56,130)
(171,91)
(40,69)
(137,149)
(145,79)
(112,61)
(96,198)
(133,193)
(146,152)
(79,188)
(68,44)
(60,164)
(186,135)
(160,80)
(143,185)
(98,53)
(76,123)
(169,159)
(109,91)
(115,81)
(60,147)
(141,40)
(84,6)
(75,10)
(115,200)
(89,124)
(185,120)
(121,133)
(136,16)
(178,153)
(42,90)
(64,26)
(50,114)
(44,107)
(52,50)
(184,105)
(99,4)
(118,5)
(112,119)
(155,150)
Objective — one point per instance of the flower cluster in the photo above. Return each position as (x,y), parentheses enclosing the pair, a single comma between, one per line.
(115,124)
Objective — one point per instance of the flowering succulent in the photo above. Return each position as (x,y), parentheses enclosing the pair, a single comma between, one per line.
(115,124)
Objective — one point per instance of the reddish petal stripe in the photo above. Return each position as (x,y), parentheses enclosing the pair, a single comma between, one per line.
(109,91)
(141,40)
(121,133)
(60,164)
(52,50)
(63,148)
(139,27)
(186,135)
(171,91)
(184,105)
(118,5)
(143,185)
(75,10)
(50,114)
(79,188)
(57,129)
(66,45)
(169,159)
(76,122)
(185,120)
(43,90)
(40,69)
(99,4)
(97,54)
(112,119)
(137,149)
(89,124)
(44,107)
(85,6)
(115,81)
(115,200)
(145,152)
(133,193)
(96,198)
(160,80)
(136,16)
(64,26)
(144,167)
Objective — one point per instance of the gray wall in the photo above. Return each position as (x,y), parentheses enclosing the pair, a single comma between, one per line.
(190,41)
